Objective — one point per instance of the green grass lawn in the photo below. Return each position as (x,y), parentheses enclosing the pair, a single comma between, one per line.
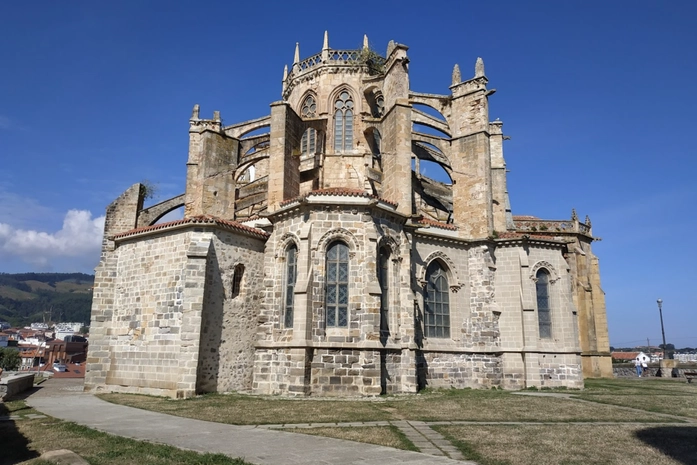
(25,439)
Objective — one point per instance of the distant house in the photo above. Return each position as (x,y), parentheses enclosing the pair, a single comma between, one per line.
(642,357)
(625,356)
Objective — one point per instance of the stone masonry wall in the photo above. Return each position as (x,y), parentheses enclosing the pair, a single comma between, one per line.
(463,370)
(280,369)
(138,345)
(229,321)
(529,360)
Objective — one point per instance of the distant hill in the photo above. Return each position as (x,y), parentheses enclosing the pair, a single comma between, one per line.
(33,297)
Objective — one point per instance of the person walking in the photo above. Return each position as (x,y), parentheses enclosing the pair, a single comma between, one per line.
(637,364)
(644,368)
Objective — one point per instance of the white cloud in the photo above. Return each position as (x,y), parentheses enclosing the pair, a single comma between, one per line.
(78,243)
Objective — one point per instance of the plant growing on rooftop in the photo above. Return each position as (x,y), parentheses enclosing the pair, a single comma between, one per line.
(373,60)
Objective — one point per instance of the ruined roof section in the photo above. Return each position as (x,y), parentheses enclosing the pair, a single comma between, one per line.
(521,235)
(337,191)
(204,220)
(436,224)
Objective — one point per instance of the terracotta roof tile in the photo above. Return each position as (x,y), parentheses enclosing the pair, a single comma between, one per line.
(201,219)
(624,355)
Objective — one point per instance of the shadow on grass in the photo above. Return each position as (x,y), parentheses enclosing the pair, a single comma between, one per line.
(15,447)
(677,442)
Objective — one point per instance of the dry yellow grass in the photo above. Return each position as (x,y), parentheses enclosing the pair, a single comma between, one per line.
(576,445)
(671,396)
(469,405)
(638,435)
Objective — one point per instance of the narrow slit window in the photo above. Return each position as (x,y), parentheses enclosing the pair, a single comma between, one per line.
(291,276)
(383,280)
(237,281)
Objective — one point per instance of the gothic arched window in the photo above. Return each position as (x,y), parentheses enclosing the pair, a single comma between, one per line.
(437,302)
(343,123)
(379,105)
(289,289)
(336,292)
(309,108)
(544,314)
(383,280)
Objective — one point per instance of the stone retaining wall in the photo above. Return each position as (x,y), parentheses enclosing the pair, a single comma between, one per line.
(630,372)
(13,384)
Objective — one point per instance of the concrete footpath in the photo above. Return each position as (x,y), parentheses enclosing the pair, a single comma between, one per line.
(256,445)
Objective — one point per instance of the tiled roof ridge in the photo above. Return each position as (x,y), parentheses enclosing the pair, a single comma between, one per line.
(343,191)
(525,217)
(199,219)
(436,224)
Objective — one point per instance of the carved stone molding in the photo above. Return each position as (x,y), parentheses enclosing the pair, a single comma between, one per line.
(547,266)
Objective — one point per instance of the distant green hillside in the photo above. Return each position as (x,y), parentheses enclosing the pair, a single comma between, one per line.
(33,297)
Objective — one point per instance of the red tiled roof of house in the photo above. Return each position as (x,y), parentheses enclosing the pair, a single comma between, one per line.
(201,219)
(624,355)
(342,191)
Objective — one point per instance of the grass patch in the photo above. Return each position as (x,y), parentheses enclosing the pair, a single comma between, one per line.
(252,410)
(574,444)
(444,405)
(16,294)
(636,437)
(388,436)
(24,440)
(653,395)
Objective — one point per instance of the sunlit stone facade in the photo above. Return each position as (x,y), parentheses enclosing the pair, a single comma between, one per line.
(316,258)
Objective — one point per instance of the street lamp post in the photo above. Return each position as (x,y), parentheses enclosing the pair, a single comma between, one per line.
(660,312)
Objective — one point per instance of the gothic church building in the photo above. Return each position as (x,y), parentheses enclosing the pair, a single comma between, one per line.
(315,257)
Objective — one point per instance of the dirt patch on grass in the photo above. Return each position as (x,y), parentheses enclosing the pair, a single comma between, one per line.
(388,436)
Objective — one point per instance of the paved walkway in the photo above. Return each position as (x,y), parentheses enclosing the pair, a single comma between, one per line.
(63,399)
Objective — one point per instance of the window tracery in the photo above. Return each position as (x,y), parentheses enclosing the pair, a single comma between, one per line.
(336,289)
(437,302)
(343,122)
(309,107)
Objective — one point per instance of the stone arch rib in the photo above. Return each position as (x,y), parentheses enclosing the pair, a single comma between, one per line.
(151,215)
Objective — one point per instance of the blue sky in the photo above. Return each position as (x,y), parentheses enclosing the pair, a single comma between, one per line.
(598,97)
